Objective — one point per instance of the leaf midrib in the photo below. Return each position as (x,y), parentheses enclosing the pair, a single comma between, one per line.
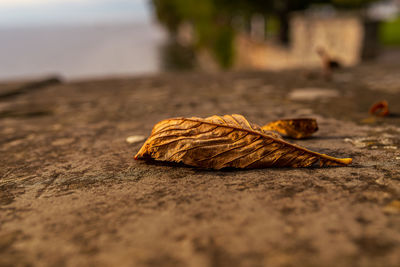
(261,134)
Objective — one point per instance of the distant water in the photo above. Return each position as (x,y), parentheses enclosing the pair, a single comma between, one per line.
(80,52)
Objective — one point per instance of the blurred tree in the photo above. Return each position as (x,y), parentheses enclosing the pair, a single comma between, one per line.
(168,13)
(210,20)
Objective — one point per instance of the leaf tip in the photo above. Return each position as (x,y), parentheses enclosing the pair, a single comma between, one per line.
(346,161)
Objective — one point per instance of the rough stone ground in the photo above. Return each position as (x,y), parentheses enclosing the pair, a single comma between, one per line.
(72,195)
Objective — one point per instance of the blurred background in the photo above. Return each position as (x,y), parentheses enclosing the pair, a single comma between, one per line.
(94,38)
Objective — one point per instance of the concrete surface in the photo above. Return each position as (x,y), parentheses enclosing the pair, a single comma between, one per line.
(71,193)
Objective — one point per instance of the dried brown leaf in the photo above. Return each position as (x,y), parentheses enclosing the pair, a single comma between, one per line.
(294,128)
(226,141)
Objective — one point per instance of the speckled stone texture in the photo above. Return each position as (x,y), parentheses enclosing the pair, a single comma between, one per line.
(71,193)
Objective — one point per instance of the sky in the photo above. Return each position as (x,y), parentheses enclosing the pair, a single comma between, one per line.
(77,38)
(70,12)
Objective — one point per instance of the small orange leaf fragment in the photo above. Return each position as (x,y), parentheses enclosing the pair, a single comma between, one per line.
(380,109)
(294,128)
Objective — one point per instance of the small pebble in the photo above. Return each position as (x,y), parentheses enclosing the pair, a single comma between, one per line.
(311,94)
(135,138)
(63,141)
